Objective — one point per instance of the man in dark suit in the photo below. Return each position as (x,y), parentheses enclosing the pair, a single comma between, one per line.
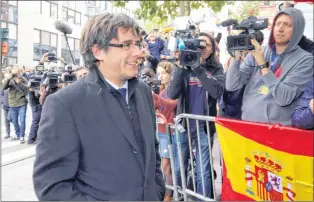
(96,139)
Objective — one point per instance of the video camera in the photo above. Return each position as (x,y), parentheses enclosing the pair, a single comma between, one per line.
(251,29)
(153,84)
(69,76)
(188,46)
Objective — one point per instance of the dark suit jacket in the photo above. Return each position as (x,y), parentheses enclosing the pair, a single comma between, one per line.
(85,150)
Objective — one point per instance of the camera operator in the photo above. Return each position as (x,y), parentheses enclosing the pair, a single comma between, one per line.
(36,107)
(18,90)
(276,76)
(198,90)
(48,87)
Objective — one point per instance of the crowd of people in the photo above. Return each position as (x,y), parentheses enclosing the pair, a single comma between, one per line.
(97,137)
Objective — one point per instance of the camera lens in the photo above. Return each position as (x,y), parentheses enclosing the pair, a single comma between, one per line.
(190,58)
(241,42)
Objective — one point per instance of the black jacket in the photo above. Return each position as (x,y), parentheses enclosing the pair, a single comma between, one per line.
(307,45)
(86,150)
(212,78)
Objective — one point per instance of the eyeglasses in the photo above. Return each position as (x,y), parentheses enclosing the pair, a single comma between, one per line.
(127,45)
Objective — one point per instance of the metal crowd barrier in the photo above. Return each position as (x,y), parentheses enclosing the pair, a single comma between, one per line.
(184,191)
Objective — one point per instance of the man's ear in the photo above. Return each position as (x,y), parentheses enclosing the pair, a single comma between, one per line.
(97,52)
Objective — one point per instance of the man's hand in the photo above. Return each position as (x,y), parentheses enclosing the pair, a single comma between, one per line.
(311,105)
(162,57)
(44,58)
(258,52)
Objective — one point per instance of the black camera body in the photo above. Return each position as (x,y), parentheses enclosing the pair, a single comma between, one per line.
(153,84)
(52,79)
(69,76)
(252,30)
(189,48)
(52,57)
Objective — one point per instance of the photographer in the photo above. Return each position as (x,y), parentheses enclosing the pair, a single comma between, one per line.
(47,89)
(36,114)
(276,76)
(18,90)
(198,90)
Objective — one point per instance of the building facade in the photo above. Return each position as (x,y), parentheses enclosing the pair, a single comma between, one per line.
(32,32)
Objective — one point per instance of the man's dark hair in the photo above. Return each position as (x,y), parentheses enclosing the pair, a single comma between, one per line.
(100,30)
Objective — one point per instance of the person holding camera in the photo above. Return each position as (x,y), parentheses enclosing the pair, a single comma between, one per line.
(198,90)
(6,108)
(18,90)
(36,107)
(274,76)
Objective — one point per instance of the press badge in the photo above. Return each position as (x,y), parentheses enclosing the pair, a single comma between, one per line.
(263,90)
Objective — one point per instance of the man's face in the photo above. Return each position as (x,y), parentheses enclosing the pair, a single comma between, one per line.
(121,62)
(283,29)
(81,73)
(205,53)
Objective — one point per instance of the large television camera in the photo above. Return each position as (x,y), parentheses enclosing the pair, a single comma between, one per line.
(69,76)
(251,29)
(188,46)
(36,78)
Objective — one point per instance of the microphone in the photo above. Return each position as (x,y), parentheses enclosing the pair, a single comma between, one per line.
(229,22)
(63,27)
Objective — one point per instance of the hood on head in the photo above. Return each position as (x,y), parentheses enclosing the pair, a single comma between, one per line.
(298,22)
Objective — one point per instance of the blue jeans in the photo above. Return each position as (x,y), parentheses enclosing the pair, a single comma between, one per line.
(18,114)
(205,160)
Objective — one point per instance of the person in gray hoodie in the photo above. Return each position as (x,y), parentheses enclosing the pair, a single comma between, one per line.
(275,76)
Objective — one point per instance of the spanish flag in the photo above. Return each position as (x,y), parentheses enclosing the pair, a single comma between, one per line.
(265,162)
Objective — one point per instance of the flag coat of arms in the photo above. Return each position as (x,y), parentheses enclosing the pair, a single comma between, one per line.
(265,162)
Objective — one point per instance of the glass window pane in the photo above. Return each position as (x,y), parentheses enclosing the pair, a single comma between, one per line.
(53,42)
(11,61)
(71,16)
(54,11)
(13,3)
(12,51)
(65,3)
(4,25)
(71,43)
(13,14)
(45,8)
(45,38)
(12,31)
(64,14)
(77,18)
(36,36)
(77,44)
(84,19)
(63,43)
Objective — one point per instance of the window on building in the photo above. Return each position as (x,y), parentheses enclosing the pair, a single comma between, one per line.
(64,14)
(77,45)
(12,31)
(12,14)
(54,10)
(74,47)
(45,38)
(13,3)
(11,61)
(77,18)
(84,19)
(48,43)
(4,25)
(12,51)
(36,36)
(71,16)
